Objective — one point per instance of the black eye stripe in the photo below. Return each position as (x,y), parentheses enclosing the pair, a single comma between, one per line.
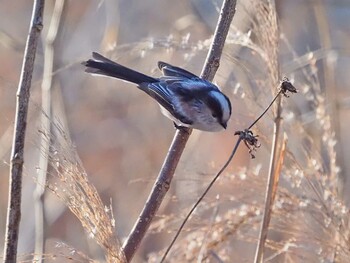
(215,106)
(212,102)
(204,94)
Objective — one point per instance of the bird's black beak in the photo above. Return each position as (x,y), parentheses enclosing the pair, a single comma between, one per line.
(223,124)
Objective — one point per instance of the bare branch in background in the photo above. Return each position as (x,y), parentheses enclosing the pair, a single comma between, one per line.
(162,184)
(45,125)
(16,167)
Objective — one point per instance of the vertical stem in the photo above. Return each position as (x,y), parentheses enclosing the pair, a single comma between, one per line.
(269,188)
(275,76)
(39,192)
(16,167)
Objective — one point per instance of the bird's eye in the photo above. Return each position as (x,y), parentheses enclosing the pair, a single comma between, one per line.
(214,115)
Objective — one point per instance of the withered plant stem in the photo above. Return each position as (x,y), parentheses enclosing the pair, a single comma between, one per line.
(17,160)
(240,138)
(269,189)
(46,85)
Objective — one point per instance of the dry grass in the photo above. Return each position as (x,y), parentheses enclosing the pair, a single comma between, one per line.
(68,181)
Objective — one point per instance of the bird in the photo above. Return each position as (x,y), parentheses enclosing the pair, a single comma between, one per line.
(186,99)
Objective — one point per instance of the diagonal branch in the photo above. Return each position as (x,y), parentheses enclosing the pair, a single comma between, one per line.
(162,184)
(16,167)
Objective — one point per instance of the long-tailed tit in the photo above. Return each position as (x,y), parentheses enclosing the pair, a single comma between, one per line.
(184,97)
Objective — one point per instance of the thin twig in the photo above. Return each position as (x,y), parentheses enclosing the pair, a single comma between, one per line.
(284,87)
(16,167)
(267,108)
(167,171)
(45,125)
(203,250)
(240,138)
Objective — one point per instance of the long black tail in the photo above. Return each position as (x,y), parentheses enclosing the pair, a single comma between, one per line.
(103,66)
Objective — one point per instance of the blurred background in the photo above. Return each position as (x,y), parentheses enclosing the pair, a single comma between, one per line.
(121,138)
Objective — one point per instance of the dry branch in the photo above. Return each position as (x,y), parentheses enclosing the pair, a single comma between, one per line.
(16,167)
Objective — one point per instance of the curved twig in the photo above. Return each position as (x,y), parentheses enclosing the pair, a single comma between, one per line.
(240,138)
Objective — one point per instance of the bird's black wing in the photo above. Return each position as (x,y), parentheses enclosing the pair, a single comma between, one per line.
(165,97)
(159,92)
(169,70)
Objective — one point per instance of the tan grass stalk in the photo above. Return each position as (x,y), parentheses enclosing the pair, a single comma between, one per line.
(269,201)
(39,191)
(279,167)
(268,36)
(69,182)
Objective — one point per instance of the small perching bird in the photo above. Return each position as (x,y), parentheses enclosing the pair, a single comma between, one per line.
(184,98)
